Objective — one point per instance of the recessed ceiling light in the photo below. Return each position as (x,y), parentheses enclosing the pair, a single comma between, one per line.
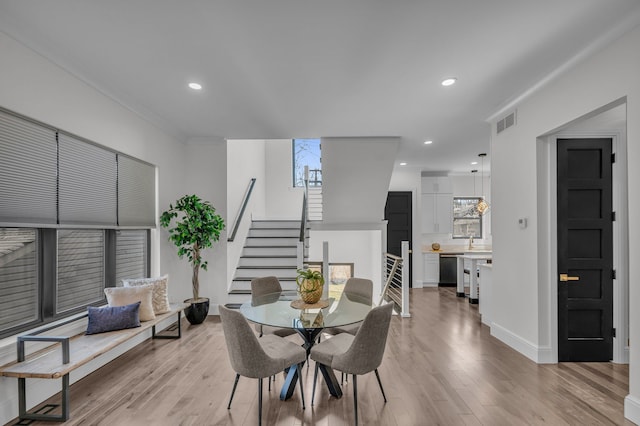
(428,142)
(403,164)
(449,81)
(474,163)
(195,86)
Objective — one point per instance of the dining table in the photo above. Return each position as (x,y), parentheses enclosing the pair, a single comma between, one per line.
(285,309)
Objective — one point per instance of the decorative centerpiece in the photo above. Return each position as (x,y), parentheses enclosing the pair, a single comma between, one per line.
(310,285)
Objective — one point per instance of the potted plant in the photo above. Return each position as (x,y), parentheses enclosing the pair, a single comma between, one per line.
(310,285)
(196,226)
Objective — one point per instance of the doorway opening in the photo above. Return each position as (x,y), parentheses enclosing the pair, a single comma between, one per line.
(606,122)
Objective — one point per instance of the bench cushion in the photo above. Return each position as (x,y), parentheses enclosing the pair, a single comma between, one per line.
(160,294)
(120,296)
(110,318)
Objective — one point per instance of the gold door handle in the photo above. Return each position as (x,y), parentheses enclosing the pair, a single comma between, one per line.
(565,277)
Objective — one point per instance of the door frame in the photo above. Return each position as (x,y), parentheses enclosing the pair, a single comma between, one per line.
(548,213)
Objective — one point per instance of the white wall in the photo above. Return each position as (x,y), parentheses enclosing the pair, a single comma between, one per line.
(355,177)
(283,201)
(33,86)
(519,274)
(363,248)
(245,160)
(206,176)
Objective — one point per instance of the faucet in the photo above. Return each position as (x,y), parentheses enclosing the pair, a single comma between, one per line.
(470,242)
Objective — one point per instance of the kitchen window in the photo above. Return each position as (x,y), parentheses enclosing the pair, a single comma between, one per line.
(467,221)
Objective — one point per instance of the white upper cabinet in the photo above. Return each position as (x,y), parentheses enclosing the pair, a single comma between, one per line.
(437,213)
(437,205)
(436,185)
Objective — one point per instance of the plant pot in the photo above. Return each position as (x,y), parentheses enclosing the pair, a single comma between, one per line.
(310,291)
(197,311)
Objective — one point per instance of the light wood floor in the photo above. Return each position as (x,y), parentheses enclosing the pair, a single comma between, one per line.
(441,367)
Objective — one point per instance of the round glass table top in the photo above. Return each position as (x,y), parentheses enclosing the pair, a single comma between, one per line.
(274,309)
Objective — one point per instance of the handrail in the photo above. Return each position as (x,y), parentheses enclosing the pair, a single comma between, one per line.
(247,194)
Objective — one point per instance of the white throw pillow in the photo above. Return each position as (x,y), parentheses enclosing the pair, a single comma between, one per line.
(121,296)
(160,295)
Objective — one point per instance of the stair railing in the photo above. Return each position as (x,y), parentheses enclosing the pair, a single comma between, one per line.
(303,219)
(396,288)
(243,207)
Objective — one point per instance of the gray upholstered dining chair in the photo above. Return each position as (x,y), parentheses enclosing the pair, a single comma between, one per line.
(361,288)
(258,358)
(356,355)
(260,287)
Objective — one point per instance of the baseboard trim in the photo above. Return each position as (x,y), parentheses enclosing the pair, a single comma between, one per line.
(632,408)
(538,354)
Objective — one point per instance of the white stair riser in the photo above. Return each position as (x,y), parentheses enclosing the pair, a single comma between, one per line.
(268,261)
(289,241)
(270,251)
(274,232)
(276,224)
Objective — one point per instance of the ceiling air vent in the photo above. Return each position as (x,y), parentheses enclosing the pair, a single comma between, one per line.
(506,122)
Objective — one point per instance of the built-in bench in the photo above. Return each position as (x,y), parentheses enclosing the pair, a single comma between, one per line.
(55,362)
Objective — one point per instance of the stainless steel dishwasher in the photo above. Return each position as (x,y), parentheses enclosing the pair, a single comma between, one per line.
(448,270)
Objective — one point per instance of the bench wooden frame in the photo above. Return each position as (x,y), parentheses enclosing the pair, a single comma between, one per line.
(76,351)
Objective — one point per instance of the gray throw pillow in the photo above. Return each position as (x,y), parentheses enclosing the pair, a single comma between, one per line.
(110,318)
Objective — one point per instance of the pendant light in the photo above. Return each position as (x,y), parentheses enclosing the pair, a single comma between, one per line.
(482,206)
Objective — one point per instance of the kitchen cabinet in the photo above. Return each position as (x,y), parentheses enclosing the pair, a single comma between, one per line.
(431,268)
(436,184)
(437,213)
(437,205)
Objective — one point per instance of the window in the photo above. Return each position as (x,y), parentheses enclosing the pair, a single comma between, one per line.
(47,274)
(63,200)
(339,273)
(306,152)
(131,254)
(467,221)
(80,268)
(19,305)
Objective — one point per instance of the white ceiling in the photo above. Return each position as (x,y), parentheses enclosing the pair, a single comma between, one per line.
(303,69)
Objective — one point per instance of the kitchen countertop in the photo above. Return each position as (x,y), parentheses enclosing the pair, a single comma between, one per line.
(459,249)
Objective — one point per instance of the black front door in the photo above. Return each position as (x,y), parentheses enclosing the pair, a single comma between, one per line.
(585,250)
(397,212)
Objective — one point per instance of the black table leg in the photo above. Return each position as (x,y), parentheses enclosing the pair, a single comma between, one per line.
(309,336)
(332,382)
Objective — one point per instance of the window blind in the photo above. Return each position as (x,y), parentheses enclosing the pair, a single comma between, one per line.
(131,255)
(87,183)
(80,268)
(136,193)
(28,171)
(18,277)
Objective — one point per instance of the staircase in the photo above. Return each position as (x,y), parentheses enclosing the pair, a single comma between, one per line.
(314,209)
(270,249)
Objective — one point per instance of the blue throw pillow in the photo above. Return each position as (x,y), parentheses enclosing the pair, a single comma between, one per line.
(110,318)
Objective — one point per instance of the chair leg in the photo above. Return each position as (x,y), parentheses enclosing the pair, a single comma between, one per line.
(259,401)
(355,396)
(233,391)
(380,383)
(315,380)
(299,367)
